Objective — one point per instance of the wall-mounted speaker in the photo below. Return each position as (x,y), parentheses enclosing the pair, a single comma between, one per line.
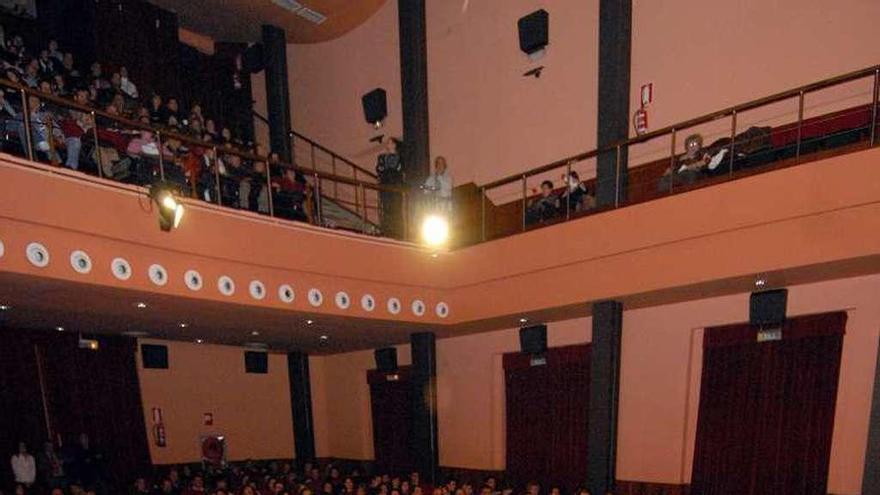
(386,359)
(534,31)
(767,308)
(154,356)
(375,106)
(533,340)
(256,362)
(253,59)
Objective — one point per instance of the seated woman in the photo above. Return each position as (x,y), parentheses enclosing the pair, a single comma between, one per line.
(689,167)
(576,193)
(545,207)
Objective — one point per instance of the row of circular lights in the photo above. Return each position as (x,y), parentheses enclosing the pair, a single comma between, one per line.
(38,255)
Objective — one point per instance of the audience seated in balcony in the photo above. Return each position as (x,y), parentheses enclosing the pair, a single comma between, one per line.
(544,208)
(689,167)
(576,194)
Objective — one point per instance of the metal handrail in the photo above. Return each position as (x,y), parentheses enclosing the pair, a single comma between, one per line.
(166,134)
(709,117)
(335,156)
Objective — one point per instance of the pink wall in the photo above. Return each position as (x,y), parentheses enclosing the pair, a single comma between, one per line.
(251,410)
(705,56)
(328,79)
(659,397)
(486,118)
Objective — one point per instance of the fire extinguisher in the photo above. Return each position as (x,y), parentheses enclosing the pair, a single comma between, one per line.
(159,434)
(158,427)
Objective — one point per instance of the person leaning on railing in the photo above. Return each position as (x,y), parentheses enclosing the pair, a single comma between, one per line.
(689,167)
(545,207)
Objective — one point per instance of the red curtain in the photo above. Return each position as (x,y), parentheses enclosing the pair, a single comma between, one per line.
(547,417)
(767,409)
(391,406)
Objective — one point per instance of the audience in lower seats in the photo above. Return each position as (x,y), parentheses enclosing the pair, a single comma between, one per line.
(81,471)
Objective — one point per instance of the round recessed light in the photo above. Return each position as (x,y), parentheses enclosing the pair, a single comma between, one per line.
(60,329)
(324,338)
(255,333)
(183,324)
(435,255)
(309,322)
(199,341)
(761,282)
(5,307)
(523,320)
(140,305)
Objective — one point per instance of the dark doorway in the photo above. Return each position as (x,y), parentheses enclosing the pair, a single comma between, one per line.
(391,405)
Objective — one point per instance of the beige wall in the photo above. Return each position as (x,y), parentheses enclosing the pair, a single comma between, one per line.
(251,410)
(660,383)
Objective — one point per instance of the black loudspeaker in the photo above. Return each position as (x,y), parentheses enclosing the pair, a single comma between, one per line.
(252,59)
(375,106)
(767,308)
(533,340)
(533,31)
(154,356)
(386,359)
(256,362)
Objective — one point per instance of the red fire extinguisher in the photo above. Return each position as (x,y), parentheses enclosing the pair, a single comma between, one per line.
(158,427)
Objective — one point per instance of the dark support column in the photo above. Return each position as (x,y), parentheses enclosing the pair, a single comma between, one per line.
(604,385)
(301,405)
(424,428)
(871,476)
(277,95)
(615,26)
(416,153)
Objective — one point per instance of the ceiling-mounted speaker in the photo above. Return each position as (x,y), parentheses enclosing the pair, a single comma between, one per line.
(767,308)
(386,359)
(375,106)
(256,362)
(534,31)
(154,356)
(252,59)
(533,340)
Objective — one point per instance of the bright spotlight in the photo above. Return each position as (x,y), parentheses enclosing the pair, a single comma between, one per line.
(170,210)
(435,230)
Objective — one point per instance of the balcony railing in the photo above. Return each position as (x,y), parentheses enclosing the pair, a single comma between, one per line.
(831,116)
(338,194)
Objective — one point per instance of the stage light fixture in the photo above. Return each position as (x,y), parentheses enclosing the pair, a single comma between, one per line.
(435,230)
(170,210)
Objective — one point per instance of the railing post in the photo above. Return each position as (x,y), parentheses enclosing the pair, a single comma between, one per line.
(269,188)
(568,192)
(617,181)
(732,142)
(672,161)
(97,146)
(364,200)
(217,184)
(312,153)
(317,198)
(483,214)
(333,171)
(161,155)
(26,119)
(800,124)
(524,194)
(874,106)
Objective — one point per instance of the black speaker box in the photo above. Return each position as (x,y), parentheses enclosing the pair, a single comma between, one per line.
(252,59)
(767,308)
(533,340)
(386,359)
(375,106)
(256,362)
(533,31)
(154,356)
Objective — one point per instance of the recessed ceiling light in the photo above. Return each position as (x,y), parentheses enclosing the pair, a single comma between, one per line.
(309,322)
(761,282)
(141,305)
(183,325)
(4,307)
(435,255)
(324,338)
(60,329)
(199,341)
(255,333)
(523,320)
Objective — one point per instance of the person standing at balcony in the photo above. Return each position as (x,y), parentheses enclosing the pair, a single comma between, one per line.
(389,168)
(439,185)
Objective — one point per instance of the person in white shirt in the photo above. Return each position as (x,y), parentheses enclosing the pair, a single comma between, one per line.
(23,466)
(126,85)
(439,183)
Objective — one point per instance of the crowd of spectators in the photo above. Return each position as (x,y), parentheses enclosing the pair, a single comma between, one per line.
(264,478)
(76,138)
